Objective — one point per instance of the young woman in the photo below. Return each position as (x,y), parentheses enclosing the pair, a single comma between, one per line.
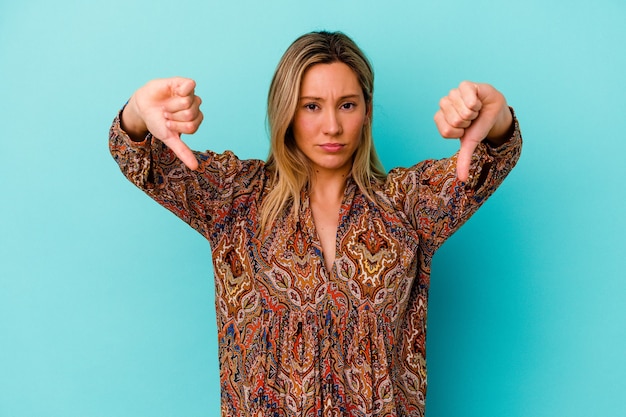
(321,260)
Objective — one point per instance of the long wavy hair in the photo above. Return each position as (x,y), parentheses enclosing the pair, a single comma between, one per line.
(291,168)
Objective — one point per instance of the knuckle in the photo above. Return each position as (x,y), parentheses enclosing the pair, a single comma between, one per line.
(182,116)
(456,120)
(182,127)
(449,131)
(465,84)
(467,115)
(186,102)
(473,104)
(189,115)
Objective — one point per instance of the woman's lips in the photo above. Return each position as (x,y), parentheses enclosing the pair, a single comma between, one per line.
(331,147)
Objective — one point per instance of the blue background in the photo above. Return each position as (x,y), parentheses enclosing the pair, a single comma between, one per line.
(106,299)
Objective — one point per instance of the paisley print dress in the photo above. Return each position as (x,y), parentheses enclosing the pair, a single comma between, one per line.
(297,339)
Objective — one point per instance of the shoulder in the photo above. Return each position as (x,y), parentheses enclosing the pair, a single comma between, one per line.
(228,164)
(425,172)
(230,176)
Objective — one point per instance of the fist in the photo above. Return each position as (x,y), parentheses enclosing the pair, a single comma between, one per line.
(166,108)
(471,113)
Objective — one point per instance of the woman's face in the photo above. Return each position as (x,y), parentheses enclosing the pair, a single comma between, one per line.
(330,117)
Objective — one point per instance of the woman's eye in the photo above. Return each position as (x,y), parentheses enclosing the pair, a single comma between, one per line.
(348,106)
(310,106)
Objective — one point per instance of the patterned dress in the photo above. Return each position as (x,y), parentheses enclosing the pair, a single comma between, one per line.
(296,339)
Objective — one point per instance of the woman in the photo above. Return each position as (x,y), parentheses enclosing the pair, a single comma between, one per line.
(321,260)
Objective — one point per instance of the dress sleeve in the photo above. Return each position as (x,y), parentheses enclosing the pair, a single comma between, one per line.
(197,197)
(437,203)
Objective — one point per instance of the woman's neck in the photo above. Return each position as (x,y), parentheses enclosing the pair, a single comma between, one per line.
(328,188)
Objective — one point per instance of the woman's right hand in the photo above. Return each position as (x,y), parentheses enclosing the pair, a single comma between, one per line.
(166,108)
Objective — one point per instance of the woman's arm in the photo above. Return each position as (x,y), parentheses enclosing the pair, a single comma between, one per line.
(438,196)
(144,140)
(201,189)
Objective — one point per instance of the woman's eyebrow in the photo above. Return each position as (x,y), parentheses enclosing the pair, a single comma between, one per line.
(351,96)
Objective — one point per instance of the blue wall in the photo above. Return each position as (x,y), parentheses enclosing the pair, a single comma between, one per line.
(106,300)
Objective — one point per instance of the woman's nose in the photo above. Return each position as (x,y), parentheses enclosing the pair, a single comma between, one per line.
(332,123)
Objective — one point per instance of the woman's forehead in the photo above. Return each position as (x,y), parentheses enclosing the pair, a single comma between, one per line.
(335,79)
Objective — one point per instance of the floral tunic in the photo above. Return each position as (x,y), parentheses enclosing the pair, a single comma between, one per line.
(296,339)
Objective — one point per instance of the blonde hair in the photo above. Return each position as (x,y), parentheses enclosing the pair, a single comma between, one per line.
(290,167)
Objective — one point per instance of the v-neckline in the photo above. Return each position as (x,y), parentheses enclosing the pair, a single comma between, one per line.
(311,227)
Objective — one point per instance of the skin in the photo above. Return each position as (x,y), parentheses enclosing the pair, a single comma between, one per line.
(327,127)
(329,121)
(473,113)
(167,108)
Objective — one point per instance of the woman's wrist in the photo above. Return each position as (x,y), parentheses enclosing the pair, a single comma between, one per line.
(132,123)
(502,130)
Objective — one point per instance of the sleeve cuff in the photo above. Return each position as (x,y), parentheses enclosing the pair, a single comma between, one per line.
(117,127)
(512,141)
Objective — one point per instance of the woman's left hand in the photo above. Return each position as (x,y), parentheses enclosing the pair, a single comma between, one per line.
(472,113)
